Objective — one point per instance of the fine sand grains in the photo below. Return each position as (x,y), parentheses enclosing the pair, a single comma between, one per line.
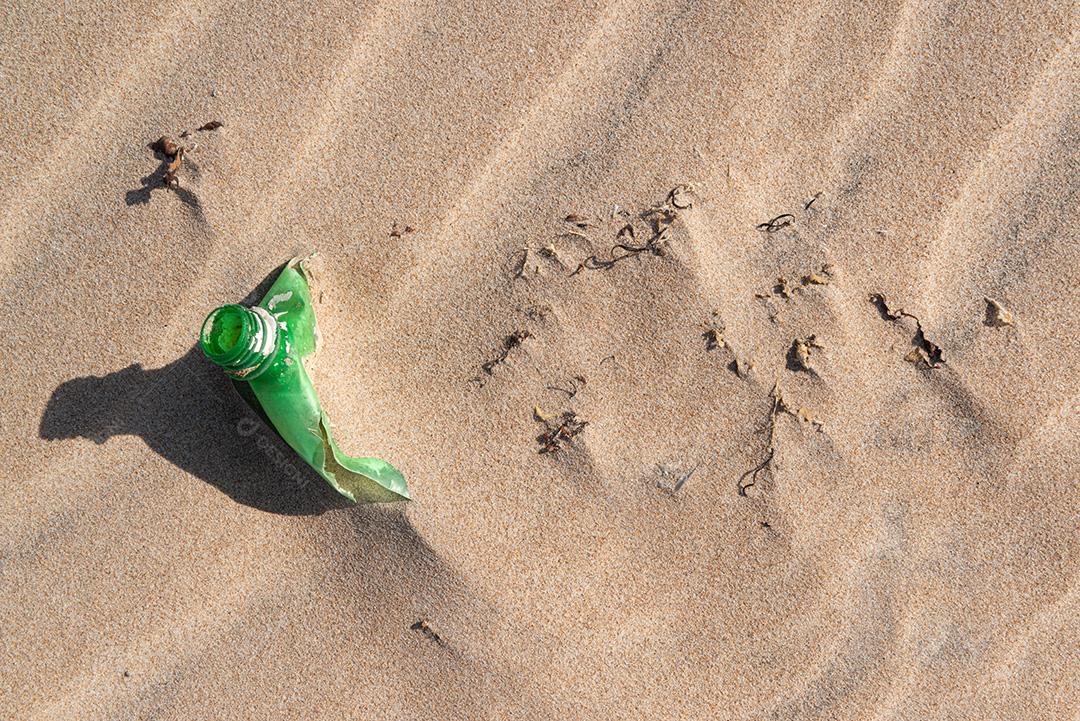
(728,350)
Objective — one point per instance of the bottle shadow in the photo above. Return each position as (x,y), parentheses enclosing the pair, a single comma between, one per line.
(188,413)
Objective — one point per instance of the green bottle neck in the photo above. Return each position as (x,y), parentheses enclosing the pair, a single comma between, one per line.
(241,340)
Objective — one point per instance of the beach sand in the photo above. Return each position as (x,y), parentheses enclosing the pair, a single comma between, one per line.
(907,546)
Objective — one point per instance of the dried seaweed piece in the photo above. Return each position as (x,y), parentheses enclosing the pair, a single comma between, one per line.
(663,215)
(558,429)
(654,245)
(807,204)
(680,197)
(998,315)
(777,398)
(933,355)
(883,307)
(925,351)
(776,224)
(779,406)
(801,351)
(753,473)
(660,218)
(212,125)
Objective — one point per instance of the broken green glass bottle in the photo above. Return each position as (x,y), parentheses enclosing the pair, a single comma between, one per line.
(262,349)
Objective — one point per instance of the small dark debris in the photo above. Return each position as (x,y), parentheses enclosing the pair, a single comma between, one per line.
(425,628)
(212,125)
(166,146)
(169,177)
(713,335)
(511,342)
(807,204)
(714,338)
(536,312)
(558,430)
(580,221)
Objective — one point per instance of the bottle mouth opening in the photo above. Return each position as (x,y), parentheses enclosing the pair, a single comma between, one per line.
(223,330)
(240,340)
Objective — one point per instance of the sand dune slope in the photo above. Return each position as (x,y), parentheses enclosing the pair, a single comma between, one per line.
(820,476)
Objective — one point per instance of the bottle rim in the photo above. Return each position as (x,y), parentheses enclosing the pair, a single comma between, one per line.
(241,340)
